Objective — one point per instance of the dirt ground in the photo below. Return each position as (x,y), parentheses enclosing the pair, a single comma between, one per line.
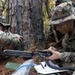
(20,60)
(5,71)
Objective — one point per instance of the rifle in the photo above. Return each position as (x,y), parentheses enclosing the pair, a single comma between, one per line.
(27,54)
(42,54)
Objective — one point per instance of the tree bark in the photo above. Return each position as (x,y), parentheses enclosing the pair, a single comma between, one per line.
(24,26)
(0,8)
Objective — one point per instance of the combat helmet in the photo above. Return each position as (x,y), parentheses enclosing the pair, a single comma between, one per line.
(58,2)
(3,22)
(62,12)
(61,1)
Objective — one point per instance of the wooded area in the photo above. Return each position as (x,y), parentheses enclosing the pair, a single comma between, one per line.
(26,19)
(30,18)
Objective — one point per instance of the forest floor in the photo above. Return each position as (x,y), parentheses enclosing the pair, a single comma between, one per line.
(8,71)
(19,60)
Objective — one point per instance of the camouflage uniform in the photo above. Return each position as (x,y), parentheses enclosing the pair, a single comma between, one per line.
(62,13)
(7,37)
(8,40)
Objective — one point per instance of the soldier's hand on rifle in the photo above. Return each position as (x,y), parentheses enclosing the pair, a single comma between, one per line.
(55,54)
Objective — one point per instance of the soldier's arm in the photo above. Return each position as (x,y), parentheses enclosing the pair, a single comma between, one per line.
(16,38)
(67,56)
(2,37)
(9,38)
(1,34)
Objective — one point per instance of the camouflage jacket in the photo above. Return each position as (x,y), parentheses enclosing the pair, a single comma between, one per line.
(68,56)
(68,44)
(8,38)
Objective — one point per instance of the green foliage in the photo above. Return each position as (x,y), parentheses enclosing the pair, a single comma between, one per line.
(45,17)
(3,2)
(51,4)
(2,6)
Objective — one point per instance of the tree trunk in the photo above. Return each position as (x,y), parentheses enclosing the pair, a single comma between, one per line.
(0,8)
(18,15)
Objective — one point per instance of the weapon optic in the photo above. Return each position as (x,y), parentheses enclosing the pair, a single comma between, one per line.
(42,54)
